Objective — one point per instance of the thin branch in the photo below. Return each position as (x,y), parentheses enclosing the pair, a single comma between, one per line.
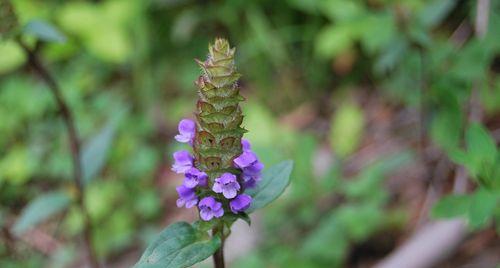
(35,63)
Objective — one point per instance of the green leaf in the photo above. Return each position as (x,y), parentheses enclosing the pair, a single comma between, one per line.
(95,152)
(451,206)
(332,40)
(44,31)
(347,129)
(178,246)
(274,181)
(327,242)
(41,209)
(481,151)
(435,12)
(482,207)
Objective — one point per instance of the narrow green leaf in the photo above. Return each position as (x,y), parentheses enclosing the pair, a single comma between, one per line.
(178,246)
(95,151)
(274,181)
(44,31)
(41,209)
(451,206)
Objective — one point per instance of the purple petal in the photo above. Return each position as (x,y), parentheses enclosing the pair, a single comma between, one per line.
(208,201)
(219,213)
(240,203)
(180,202)
(217,187)
(254,169)
(245,144)
(227,178)
(185,192)
(191,203)
(229,192)
(245,159)
(190,182)
(183,161)
(206,214)
(187,130)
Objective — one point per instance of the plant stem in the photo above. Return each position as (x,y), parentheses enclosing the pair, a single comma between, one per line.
(35,63)
(219,254)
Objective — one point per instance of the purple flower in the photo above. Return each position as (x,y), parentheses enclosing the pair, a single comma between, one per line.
(194,177)
(246,145)
(251,167)
(183,161)
(187,197)
(227,185)
(187,130)
(246,159)
(210,208)
(240,203)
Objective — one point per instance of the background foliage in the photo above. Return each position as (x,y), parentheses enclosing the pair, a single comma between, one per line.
(370,98)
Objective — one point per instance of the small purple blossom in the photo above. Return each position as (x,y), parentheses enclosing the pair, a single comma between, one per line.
(226,184)
(240,203)
(194,177)
(187,130)
(183,161)
(187,197)
(210,208)
(246,159)
(251,167)
(245,144)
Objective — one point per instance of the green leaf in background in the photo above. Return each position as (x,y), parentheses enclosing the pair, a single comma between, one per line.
(481,150)
(44,31)
(41,209)
(327,242)
(435,12)
(347,129)
(446,127)
(480,145)
(95,152)
(333,40)
(178,246)
(482,207)
(12,56)
(451,206)
(274,181)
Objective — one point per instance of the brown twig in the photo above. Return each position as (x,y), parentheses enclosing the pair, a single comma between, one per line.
(35,63)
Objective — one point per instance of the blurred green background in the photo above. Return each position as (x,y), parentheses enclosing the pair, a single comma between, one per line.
(368,97)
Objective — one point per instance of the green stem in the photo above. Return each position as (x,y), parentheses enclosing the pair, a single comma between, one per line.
(219,254)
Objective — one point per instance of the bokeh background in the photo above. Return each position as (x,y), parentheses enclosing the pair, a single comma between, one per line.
(367,97)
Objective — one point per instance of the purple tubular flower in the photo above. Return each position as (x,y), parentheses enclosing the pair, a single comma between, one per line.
(240,203)
(246,145)
(194,177)
(251,167)
(209,208)
(183,161)
(226,184)
(187,130)
(187,197)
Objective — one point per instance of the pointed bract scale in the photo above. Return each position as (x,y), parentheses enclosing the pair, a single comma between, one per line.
(205,107)
(205,139)
(227,143)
